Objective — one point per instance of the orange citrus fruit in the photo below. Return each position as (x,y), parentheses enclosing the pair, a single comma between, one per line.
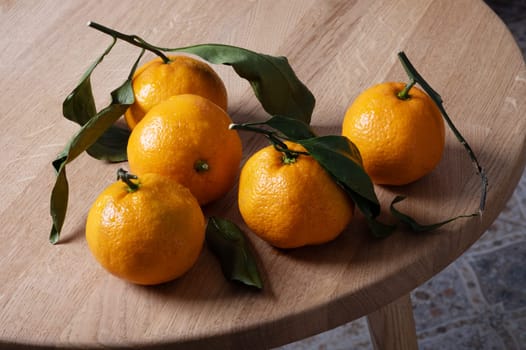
(400,140)
(187,138)
(148,232)
(155,81)
(291,203)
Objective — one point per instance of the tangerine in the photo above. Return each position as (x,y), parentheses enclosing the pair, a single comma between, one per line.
(149,230)
(155,81)
(187,138)
(400,139)
(291,202)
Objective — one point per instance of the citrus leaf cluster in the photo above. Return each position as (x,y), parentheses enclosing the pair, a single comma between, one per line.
(281,94)
(272,78)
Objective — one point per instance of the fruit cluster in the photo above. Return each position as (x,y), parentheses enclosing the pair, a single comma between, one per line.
(184,152)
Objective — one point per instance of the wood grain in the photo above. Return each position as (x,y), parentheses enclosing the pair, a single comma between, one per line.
(392,327)
(58,295)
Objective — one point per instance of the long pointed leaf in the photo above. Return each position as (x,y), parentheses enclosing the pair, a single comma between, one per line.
(340,158)
(437,99)
(230,246)
(88,134)
(274,82)
(291,128)
(79,105)
(337,155)
(415,226)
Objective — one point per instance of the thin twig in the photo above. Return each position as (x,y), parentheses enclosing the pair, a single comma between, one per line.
(415,76)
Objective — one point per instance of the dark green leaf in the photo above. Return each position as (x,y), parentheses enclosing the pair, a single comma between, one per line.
(84,138)
(437,99)
(340,158)
(229,244)
(59,198)
(336,154)
(88,134)
(291,128)
(111,146)
(415,226)
(274,82)
(79,106)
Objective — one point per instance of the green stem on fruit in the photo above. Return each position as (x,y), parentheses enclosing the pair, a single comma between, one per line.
(201,166)
(289,156)
(132,39)
(416,77)
(127,178)
(404,94)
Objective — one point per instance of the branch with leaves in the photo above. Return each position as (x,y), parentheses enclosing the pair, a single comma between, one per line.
(272,79)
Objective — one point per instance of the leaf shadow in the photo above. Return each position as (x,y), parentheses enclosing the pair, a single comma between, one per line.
(205,282)
(339,251)
(72,236)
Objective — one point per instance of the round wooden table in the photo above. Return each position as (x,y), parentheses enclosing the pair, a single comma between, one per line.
(59,296)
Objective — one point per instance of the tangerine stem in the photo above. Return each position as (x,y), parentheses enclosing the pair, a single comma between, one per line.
(127,178)
(415,76)
(201,166)
(404,94)
(289,156)
(132,39)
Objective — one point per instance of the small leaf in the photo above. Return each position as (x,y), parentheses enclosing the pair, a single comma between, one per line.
(230,246)
(88,134)
(415,226)
(59,198)
(273,80)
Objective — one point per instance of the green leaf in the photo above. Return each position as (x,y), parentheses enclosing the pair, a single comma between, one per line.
(336,154)
(232,249)
(291,128)
(415,226)
(111,145)
(79,107)
(59,198)
(86,136)
(342,160)
(273,80)
(414,76)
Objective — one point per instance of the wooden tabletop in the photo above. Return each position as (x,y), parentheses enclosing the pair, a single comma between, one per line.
(59,296)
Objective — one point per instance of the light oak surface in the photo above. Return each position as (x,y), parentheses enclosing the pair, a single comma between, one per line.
(59,296)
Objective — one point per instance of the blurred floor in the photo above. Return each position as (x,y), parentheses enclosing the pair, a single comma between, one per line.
(479,301)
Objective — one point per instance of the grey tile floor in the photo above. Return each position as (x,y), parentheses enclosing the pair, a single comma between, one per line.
(478,302)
